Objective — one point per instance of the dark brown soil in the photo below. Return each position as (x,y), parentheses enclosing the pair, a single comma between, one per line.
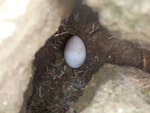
(57,86)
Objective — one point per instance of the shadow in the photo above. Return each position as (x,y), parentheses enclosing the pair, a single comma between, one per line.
(56,87)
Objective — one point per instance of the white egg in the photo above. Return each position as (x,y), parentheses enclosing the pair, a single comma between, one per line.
(75,52)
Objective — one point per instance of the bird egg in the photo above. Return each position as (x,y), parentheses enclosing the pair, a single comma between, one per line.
(75,52)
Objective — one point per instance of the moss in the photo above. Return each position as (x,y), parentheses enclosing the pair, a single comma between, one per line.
(146,92)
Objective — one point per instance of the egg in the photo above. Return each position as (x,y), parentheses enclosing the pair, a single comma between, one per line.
(75,52)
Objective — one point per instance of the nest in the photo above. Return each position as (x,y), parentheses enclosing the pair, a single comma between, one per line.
(57,86)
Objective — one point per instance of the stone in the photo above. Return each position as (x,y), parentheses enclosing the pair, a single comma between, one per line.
(125,19)
(115,89)
(25,26)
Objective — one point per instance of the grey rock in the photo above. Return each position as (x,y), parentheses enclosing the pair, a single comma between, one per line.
(25,26)
(125,19)
(115,89)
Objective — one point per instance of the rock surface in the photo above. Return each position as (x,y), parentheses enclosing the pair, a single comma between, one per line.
(116,90)
(126,19)
(25,26)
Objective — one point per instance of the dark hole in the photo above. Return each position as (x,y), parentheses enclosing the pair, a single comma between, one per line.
(56,87)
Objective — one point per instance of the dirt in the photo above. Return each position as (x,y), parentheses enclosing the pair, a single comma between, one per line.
(56,86)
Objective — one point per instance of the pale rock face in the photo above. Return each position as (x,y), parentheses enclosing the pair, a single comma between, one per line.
(125,19)
(25,26)
(75,52)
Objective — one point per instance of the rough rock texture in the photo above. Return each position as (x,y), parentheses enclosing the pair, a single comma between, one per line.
(126,19)
(25,26)
(117,90)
